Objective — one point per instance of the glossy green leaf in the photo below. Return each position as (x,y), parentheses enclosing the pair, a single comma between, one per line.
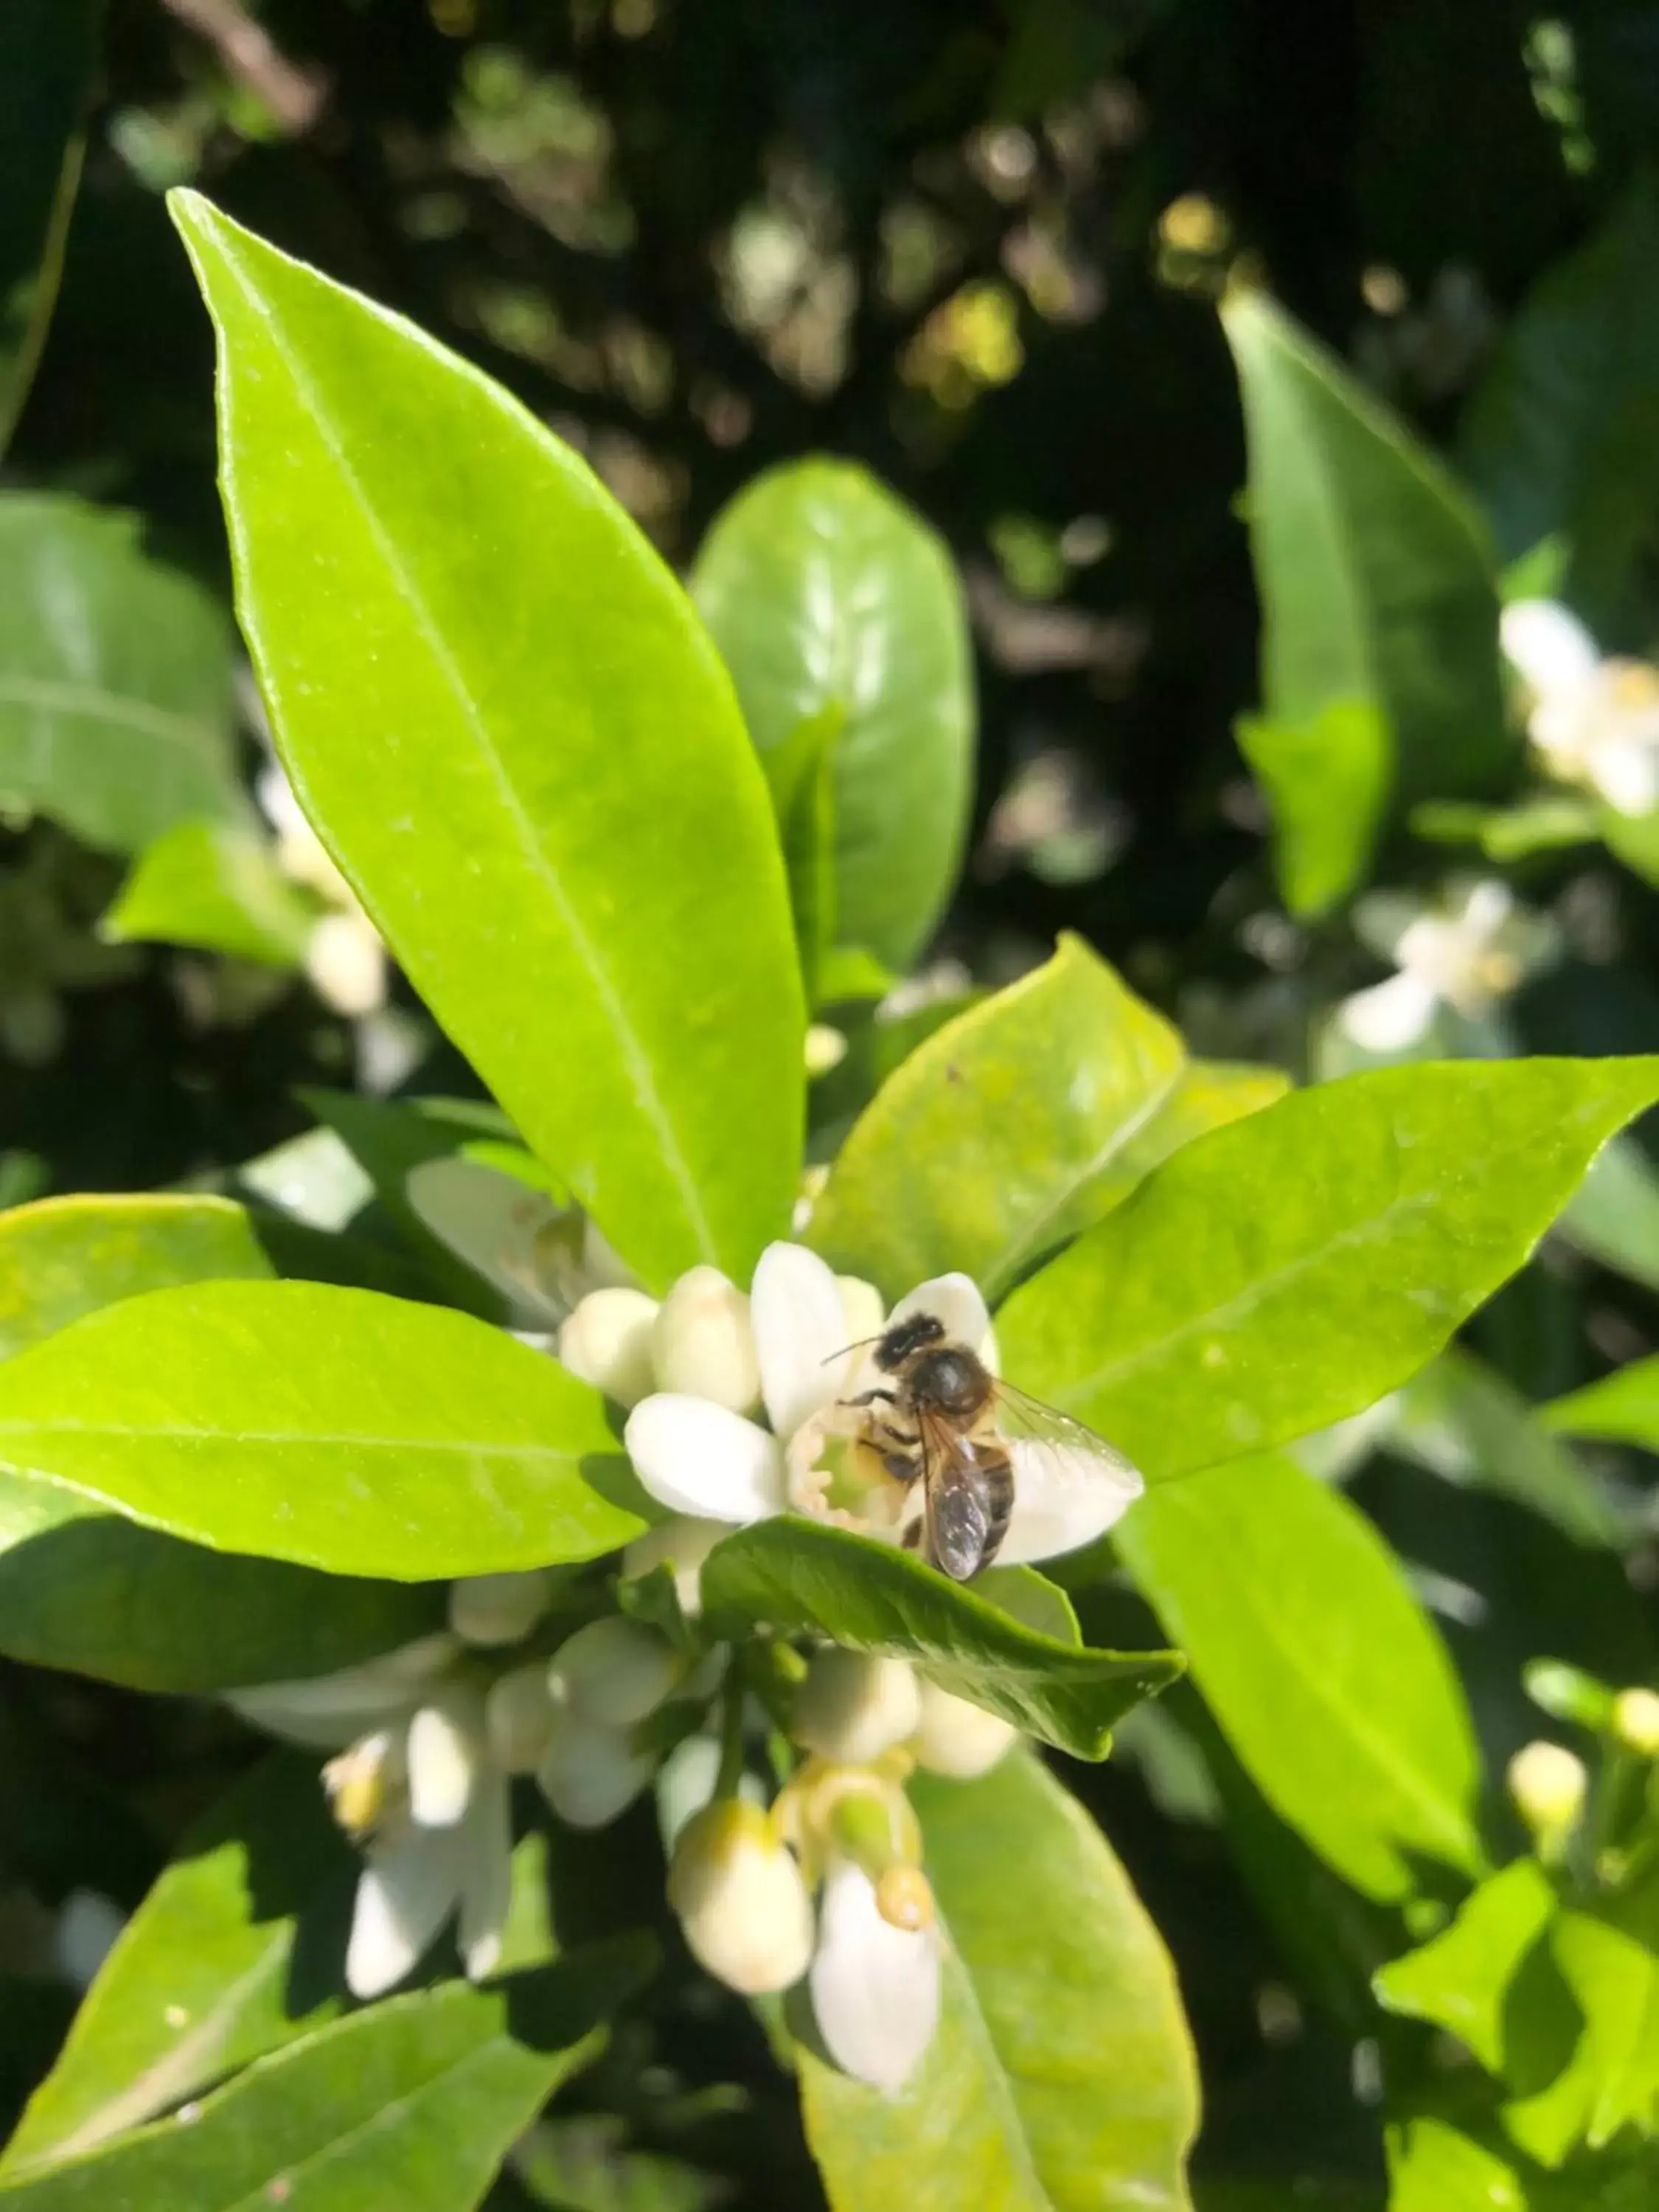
(336,1428)
(1614,1215)
(1379,662)
(1326,1676)
(520,744)
(824,593)
(799,1574)
(1462,1419)
(1061,2078)
(1559,438)
(801,774)
(1462,1979)
(1207,1095)
(217,887)
(1549,823)
(211,1970)
(1609,1959)
(48,55)
(115,679)
(987,1147)
(414,2102)
(1288,1270)
(1434,2166)
(1623,1407)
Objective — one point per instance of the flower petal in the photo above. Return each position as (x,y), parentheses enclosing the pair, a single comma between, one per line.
(1065,1496)
(590,1773)
(957,1301)
(446,1746)
(327,1711)
(1626,771)
(1390,1017)
(875,1988)
(696,1457)
(404,1898)
(1549,648)
(486,1873)
(801,1324)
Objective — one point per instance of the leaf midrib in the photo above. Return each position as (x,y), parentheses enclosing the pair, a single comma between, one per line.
(198,737)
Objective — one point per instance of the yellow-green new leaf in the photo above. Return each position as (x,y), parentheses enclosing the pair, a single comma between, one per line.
(506,721)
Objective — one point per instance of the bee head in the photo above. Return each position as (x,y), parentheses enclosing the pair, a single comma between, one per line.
(908,1337)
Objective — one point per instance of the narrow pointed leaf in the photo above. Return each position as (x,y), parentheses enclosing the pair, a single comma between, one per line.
(1061,2078)
(521,745)
(217,887)
(1623,1407)
(798,1574)
(335,1428)
(1325,1675)
(1290,1268)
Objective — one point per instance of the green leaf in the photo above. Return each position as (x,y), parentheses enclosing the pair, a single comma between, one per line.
(1559,438)
(115,679)
(1061,2078)
(1609,1959)
(520,746)
(210,1971)
(336,1428)
(801,774)
(1548,824)
(1207,1095)
(217,887)
(1326,1676)
(1614,1215)
(413,2102)
(1462,1979)
(1380,679)
(988,1145)
(1289,1269)
(824,593)
(1623,1407)
(1434,2166)
(48,56)
(1463,1420)
(1327,782)
(796,1573)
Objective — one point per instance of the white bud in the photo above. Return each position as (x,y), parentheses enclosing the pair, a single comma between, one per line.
(957,1737)
(346,962)
(740,1899)
(826,1048)
(861,1302)
(1548,1783)
(686,1780)
(682,1544)
(606,1341)
(590,1774)
(445,1742)
(1636,1722)
(489,1610)
(851,1708)
(702,1343)
(519,1716)
(614,1671)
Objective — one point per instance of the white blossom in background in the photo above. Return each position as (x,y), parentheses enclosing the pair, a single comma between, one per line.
(699,1455)
(1591,722)
(344,957)
(1469,953)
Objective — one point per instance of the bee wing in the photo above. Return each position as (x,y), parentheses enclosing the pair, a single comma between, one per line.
(955,1526)
(1070,1485)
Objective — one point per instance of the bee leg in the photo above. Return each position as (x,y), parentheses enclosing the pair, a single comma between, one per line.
(902,1465)
(871,1397)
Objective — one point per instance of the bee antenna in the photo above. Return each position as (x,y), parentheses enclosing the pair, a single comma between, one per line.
(857,1345)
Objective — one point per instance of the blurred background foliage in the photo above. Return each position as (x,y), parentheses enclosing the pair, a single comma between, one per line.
(976,245)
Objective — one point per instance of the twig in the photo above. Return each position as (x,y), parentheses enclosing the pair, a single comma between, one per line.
(295,95)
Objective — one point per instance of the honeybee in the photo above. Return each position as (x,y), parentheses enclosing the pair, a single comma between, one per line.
(973,1441)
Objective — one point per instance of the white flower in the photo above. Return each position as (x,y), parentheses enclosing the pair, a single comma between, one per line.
(740,1899)
(344,957)
(604,1679)
(1469,953)
(875,1986)
(493,1609)
(957,1738)
(698,1457)
(1592,721)
(702,1341)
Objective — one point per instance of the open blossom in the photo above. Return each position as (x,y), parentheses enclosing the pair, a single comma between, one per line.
(1469,953)
(1591,722)
(699,1454)
(344,957)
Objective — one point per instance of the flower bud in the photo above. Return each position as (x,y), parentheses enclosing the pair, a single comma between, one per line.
(1548,1783)
(826,1048)
(489,1610)
(861,1302)
(346,962)
(681,1544)
(445,1742)
(614,1671)
(1636,1722)
(740,1899)
(702,1343)
(606,1341)
(956,1737)
(520,1717)
(851,1708)
(590,1774)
